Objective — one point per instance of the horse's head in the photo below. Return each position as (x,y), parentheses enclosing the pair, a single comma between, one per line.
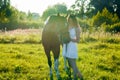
(57,25)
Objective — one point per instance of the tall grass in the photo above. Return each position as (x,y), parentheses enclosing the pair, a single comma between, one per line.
(34,36)
(21,36)
(100,36)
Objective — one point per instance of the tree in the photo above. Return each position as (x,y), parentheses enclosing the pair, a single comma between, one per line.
(48,12)
(23,16)
(112,6)
(4,3)
(58,8)
(5,10)
(81,7)
(8,15)
(29,15)
(116,7)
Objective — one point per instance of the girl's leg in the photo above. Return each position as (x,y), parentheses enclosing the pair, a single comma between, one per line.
(72,63)
(66,67)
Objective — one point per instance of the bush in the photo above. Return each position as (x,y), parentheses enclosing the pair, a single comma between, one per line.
(31,24)
(84,25)
(21,24)
(104,17)
(115,28)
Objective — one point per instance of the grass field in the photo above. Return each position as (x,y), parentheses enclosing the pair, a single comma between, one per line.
(24,57)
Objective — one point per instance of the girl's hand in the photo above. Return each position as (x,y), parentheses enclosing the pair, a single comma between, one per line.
(75,40)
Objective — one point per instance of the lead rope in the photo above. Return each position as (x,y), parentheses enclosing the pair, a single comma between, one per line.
(66,47)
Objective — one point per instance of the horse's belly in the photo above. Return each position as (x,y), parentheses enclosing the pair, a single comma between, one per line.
(50,39)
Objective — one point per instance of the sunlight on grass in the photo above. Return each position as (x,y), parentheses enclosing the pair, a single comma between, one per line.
(98,58)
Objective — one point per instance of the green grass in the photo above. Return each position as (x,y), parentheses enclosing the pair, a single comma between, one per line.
(100,61)
(22,56)
(97,61)
(22,61)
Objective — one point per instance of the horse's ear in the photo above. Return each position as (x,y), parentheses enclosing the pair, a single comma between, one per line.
(67,16)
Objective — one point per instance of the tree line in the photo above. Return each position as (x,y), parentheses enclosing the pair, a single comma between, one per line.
(91,14)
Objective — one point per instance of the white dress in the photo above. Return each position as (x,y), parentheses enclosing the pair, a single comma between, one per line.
(70,49)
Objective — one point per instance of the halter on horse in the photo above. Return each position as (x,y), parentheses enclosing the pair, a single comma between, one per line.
(51,39)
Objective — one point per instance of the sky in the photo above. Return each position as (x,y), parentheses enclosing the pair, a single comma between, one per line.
(38,6)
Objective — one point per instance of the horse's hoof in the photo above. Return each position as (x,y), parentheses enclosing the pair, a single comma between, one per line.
(59,78)
(51,76)
(68,71)
(80,76)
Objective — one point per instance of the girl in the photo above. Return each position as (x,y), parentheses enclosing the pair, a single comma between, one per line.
(70,49)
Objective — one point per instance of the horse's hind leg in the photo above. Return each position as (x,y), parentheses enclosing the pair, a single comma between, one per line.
(56,52)
(47,52)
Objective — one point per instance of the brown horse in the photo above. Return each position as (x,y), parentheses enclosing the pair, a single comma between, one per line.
(51,33)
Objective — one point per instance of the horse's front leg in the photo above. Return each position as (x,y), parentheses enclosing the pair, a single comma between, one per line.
(50,66)
(56,53)
(56,64)
(47,52)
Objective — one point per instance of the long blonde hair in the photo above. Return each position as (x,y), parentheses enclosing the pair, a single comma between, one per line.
(75,24)
(74,20)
